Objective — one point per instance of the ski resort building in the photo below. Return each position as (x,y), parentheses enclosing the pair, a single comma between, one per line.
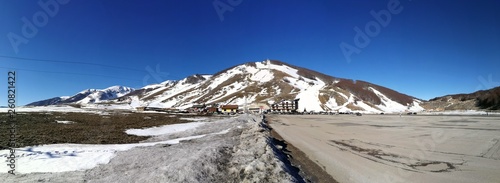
(197,108)
(258,107)
(212,110)
(287,106)
(229,108)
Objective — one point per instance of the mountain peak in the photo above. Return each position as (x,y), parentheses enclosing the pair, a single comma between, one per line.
(87,96)
(193,79)
(117,89)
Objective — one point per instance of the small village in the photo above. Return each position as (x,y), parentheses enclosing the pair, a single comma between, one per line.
(282,107)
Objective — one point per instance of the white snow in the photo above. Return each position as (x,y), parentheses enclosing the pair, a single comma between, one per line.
(179,87)
(109,93)
(65,122)
(283,68)
(262,76)
(72,157)
(154,86)
(99,107)
(155,91)
(388,105)
(135,102)
(87,91)
(416,107)
(46,109)
(309,96)
(206,76)
(366,107)
(194,119)
(163,130)
(331,103)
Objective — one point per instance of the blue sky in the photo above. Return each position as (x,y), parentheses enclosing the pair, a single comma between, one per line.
(428,48)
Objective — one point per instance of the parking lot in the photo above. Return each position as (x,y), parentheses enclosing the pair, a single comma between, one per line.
(393,148)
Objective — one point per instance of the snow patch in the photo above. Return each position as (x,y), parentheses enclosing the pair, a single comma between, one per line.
(65,122)
(163,130)
(194,119)
(72,157)
(262,76)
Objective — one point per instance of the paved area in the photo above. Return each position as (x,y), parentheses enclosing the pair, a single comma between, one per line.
(390,148)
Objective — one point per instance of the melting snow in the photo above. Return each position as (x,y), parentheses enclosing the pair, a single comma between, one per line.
(388,105)
(194,119)
(262,76)
(65,122)
(72,157)
(163,130)
(309,97)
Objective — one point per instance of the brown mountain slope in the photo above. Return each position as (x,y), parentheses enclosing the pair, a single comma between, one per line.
(482,100)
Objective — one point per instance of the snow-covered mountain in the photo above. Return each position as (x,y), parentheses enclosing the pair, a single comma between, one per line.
(259,83)
(88,96)
(267,82)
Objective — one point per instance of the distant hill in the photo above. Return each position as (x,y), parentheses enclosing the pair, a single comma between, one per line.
(89,96)
(50,101)
(482,100)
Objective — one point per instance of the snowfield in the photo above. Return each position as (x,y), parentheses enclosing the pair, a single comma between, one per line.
(228,150)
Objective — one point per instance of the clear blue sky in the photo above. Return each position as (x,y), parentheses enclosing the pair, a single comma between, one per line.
(430,48)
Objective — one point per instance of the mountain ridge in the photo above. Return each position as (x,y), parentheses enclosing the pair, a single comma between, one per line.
(262,83)
(479,100)
(86,96)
